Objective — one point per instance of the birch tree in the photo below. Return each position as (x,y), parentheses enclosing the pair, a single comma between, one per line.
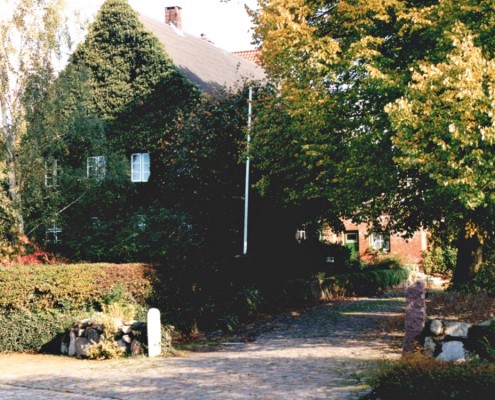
(30,40)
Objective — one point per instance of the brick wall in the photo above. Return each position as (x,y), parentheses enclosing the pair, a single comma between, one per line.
(410,249)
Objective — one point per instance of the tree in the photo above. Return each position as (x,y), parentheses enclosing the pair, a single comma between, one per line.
(29,40)
(60,130)
(342,65)
(445,130)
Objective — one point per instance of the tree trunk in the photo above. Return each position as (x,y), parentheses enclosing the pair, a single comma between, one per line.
(469,258)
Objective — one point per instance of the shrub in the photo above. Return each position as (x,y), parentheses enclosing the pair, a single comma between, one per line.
(24,330)
(106,349)
(440,260)
(483,281)
(364,283)
(41,302)
(418,377)
(78,286)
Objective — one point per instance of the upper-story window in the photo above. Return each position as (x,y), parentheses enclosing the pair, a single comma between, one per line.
(380,241)
(51,173)
(97,167)
(54,234)
(140,167)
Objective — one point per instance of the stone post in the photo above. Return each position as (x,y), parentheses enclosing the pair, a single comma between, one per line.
(154,333)
(415,315)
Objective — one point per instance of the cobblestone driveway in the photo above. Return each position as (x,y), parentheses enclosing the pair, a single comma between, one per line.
(318,354)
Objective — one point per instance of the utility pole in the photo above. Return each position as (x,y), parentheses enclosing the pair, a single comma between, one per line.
(246,190)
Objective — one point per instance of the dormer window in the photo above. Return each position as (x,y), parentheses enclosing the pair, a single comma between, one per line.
(97,167)
(140,167)
(51,173)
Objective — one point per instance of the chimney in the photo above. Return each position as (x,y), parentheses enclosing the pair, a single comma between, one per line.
(173,15)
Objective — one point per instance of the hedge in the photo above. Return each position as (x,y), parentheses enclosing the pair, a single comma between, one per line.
(46,287)
(22,331)
(37,303)
(40,302)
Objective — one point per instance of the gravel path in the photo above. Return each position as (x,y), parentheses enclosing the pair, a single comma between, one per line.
(321,353)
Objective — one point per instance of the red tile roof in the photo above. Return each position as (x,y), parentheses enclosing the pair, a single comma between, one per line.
(250,55)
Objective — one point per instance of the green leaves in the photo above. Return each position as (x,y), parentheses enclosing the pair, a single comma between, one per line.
(393,100)
(445,124)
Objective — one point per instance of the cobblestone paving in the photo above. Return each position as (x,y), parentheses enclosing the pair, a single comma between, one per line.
(321,353)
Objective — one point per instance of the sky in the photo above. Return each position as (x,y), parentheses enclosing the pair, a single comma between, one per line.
(226,24)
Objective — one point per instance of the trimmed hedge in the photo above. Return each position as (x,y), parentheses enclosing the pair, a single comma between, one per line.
(418,377)
(76,286)
(22,331)
(38,303)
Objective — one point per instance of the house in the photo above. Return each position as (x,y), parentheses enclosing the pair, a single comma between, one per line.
(250,55)
(209,67)
(368,244)
(135,141)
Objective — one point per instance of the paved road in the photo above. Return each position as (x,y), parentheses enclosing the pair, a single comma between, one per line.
(318,354)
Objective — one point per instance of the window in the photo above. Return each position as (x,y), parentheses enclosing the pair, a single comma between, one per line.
(300,235)
(380,241)
(97,167)
(140,167)
(141,222)
(96,223)
(53,234)
(351,237)
(51,172)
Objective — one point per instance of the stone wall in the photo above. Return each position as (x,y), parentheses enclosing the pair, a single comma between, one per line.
(459,341)
(130,337)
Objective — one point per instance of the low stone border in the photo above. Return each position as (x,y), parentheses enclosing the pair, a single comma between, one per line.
(130,337)
(459,341)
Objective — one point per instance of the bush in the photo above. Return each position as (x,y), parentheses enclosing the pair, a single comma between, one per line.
(23,330)
(440,260)
(364,283)
(39,303)
(483,281)
(107,349)
(78,286)
(418,377)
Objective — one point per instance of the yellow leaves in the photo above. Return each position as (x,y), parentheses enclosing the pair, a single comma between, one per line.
(471,228)
(445,124)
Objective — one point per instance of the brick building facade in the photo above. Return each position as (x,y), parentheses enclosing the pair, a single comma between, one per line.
(369,244)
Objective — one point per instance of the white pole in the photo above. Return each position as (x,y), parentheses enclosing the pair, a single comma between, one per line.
(246,190)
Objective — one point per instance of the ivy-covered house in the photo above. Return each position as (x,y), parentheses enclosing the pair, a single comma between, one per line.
(118,144)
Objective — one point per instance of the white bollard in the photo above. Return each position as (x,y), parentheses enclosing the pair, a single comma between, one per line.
(154,333)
